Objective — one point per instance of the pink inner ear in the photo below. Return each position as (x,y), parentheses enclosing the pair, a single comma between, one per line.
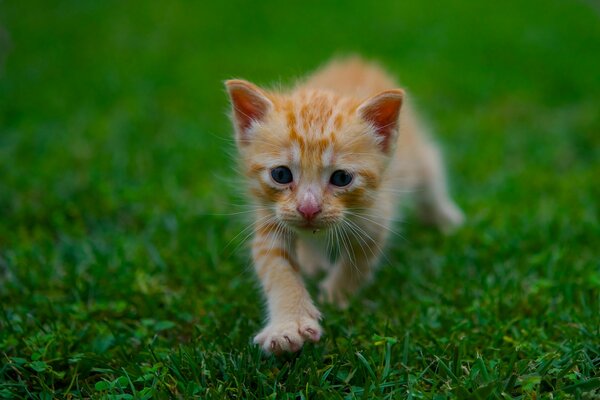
(383,112)
(249,104)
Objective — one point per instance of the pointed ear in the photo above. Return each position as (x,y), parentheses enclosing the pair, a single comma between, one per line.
(249,104)
(382,112)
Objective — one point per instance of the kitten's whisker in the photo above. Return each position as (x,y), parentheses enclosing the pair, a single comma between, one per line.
(340,239)
(349,251)
(237,235)
(251,227)
(395,220)
(379,248)
(265,223)
(400,191)
(253,207)
(282,233)
(276,235)
(360,239)
(286,238)
(347,245)
(358,236)
(231,214)
(332,248)
(375,222)
(328,244)
(336,238)
(327,249)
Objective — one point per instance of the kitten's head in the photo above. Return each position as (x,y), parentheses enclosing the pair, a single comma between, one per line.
(312,157)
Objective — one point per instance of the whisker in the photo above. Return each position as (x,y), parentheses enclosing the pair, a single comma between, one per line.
(249,227)
(379,248)
(348,248)
(360,239)
(263,224)
(275,237)
(375,222)
(235,213)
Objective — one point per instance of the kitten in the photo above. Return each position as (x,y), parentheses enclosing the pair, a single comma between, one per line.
(326,165)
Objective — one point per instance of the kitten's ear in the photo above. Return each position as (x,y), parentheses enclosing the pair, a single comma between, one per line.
(382,112)
(249,104)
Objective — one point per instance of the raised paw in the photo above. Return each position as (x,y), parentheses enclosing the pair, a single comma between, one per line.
(443,214)
(288,336)
(449,217)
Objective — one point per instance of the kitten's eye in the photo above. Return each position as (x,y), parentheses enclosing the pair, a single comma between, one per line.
(340,178)
(282,175)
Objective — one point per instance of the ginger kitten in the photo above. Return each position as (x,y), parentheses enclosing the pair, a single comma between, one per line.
(327,163)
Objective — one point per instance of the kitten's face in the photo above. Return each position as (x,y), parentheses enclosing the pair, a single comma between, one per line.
(313,158)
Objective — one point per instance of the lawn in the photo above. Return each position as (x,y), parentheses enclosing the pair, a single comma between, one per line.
(123,273)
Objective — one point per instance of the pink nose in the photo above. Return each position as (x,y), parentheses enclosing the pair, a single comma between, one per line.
(309,210)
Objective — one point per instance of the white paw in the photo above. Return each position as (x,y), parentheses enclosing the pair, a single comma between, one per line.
(449,217)
(288,336)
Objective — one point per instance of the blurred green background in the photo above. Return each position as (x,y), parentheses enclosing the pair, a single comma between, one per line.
(121,276)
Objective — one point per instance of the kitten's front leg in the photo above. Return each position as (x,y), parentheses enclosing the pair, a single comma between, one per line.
(293,318)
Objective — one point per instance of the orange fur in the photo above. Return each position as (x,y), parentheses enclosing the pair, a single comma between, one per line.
(348,116)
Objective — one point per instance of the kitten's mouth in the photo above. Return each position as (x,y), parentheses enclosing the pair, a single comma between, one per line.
(312,227)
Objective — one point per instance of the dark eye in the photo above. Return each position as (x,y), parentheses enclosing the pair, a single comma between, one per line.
(282,175)
(340,178)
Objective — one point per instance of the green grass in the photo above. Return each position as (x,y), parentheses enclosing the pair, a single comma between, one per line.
(116,277)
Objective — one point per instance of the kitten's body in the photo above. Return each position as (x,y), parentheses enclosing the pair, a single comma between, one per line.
(346,117)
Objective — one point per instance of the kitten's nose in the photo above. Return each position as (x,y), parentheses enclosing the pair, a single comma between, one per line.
(309,204)
(309,210)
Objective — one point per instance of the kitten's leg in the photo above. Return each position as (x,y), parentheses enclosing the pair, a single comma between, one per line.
(433,201)
(359,254)
(293,318)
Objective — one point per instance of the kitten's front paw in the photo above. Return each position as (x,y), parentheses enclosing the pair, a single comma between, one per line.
(288,336)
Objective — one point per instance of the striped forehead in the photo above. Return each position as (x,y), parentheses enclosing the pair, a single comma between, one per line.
(314,114)
(313,154)
(313,119)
